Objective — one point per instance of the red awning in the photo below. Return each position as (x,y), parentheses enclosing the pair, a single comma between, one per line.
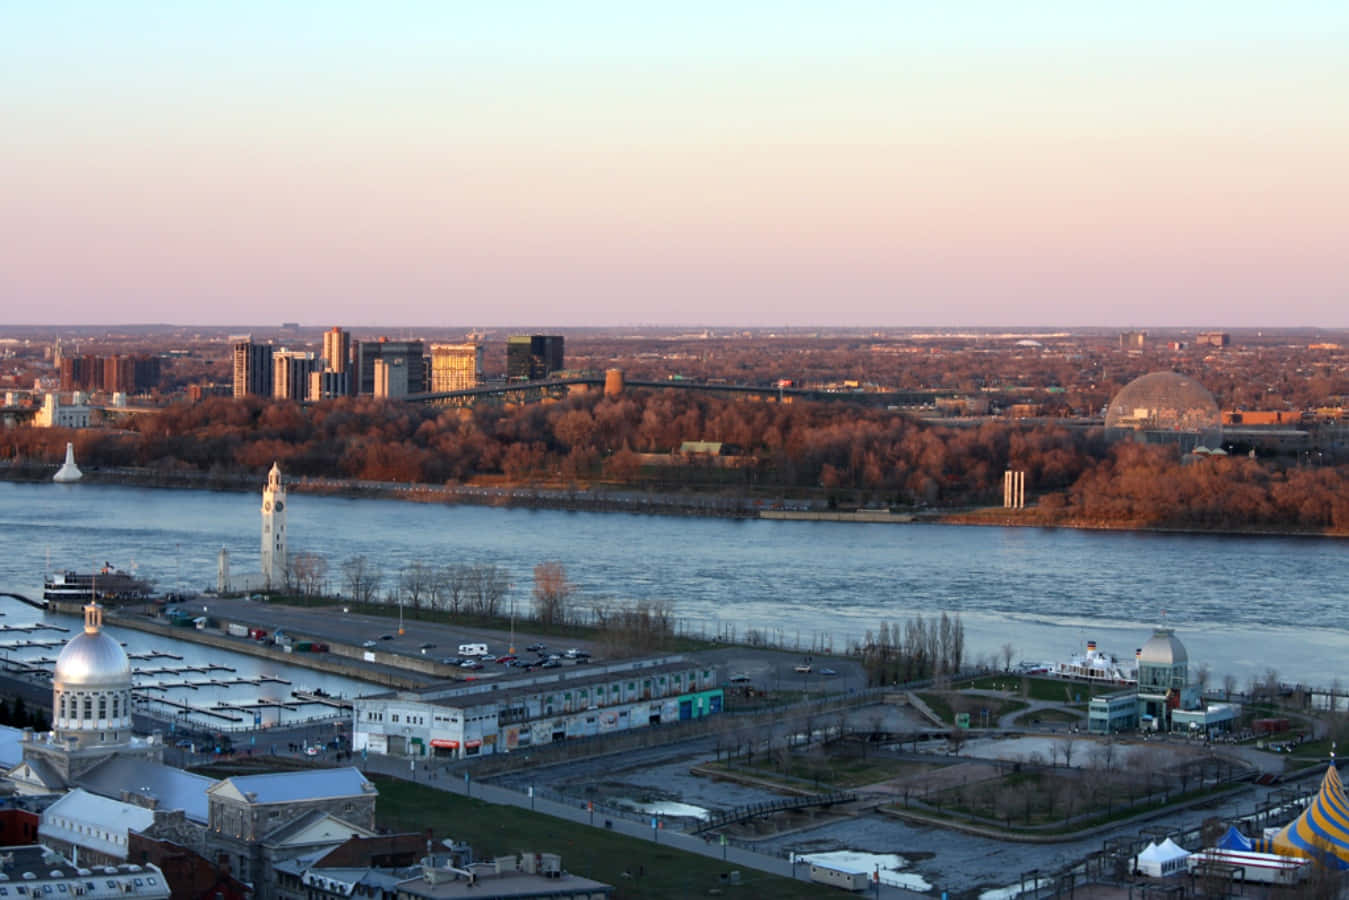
(441,742)
(472,743)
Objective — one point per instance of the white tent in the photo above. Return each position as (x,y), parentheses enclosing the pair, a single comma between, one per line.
(1160,860)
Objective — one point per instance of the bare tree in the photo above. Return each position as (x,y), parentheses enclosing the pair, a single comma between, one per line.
(1066,745)
(306,573)
(552,593)
(362,579)
(415,583)
(1229,685)
(1202,676)
(1008,652)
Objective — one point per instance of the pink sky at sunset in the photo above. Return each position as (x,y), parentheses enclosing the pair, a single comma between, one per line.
(886,165)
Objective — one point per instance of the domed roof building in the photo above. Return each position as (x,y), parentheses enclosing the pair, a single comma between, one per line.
(1165,408)
(91,687)
(91,713)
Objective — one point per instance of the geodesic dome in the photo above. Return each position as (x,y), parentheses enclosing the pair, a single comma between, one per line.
(1165,407)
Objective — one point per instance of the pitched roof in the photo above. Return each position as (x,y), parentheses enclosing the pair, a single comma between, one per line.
(315,827)
(293,787)
(11,751)
(171,788)
(88,820)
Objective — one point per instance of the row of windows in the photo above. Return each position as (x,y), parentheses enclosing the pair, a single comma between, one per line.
(23,890)
(70,706)
(81,828)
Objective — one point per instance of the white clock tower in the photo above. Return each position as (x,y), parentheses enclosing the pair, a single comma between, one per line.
(274,531)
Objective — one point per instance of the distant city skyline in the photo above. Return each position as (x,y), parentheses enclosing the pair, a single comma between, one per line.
(537,165)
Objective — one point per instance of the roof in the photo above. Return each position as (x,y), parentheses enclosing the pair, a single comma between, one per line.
(92,659)
(88,820)
(11,754)
(292,787)
(510,884)
(171,788)
(315,827)
(1163,648)
(1321,832)
(46,868)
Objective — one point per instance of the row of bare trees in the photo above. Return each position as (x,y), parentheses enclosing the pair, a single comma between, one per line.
(920,648)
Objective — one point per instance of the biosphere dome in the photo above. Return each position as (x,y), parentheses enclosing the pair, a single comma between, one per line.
(1165,407)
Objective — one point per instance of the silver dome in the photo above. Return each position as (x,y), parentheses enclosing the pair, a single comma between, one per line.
(1163,401)
(1163,648)
(92,659)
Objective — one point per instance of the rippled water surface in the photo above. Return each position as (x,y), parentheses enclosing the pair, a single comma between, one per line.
(1240,604)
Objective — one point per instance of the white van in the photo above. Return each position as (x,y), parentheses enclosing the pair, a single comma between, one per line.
(472,649)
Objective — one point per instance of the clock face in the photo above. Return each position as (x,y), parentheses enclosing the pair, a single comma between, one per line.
(267,506)
(280,506)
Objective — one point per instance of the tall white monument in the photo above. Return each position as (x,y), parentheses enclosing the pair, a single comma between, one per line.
(68,472)
(274,531)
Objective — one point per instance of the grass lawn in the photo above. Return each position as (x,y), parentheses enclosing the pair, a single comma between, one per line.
(947,704)
(591,852)
(834,773)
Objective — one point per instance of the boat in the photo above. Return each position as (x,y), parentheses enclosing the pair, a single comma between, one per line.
(1097,666)
(108,583)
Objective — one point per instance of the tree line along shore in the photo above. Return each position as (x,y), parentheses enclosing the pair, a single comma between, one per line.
(696,454)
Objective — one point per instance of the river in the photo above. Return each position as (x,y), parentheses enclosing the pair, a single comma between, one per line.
(1240,604)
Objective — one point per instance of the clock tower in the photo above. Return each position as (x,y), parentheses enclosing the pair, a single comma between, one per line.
(274,531)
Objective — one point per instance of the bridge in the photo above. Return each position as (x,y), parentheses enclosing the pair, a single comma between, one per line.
(533,391)
(768,807)
(39,604)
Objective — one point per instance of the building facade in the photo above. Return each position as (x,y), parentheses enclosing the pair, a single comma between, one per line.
(336,350)
(274,531)
(531,357)
(253,369)
(455,367)
(291,371)
(409,352)
(573,702)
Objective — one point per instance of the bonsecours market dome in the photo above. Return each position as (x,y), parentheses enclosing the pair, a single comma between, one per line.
(92,659)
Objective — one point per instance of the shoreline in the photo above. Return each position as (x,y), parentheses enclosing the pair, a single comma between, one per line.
(636,501)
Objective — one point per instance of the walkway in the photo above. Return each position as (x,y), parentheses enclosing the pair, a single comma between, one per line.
(440,778)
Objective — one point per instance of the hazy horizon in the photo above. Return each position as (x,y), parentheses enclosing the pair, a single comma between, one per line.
(869,165)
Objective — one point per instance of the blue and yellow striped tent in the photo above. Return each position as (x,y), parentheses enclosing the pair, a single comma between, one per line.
(1321,832)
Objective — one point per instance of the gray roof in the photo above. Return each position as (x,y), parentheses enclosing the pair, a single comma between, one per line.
(171,788)
(11,753)
(312,784)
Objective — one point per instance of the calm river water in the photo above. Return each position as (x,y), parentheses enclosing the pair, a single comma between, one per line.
(1240,604)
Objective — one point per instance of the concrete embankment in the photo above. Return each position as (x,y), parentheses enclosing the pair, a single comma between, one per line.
(341,659)
(861,515)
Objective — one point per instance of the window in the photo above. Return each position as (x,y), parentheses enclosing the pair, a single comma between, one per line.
(102,707)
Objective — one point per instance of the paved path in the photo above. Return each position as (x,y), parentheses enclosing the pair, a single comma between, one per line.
(439,778)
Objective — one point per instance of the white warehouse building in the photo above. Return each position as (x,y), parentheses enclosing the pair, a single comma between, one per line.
(488,717)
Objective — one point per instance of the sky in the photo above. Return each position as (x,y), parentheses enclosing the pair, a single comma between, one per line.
(698,163)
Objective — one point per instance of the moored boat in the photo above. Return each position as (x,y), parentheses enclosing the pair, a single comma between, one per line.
(108,583)
(1097,666)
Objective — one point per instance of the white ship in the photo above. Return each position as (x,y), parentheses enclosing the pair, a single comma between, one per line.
(1097,666)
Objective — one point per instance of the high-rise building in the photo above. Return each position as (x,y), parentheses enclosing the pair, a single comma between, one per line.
(455,367)
(391,377)
(290,379)
(336,349)
(119,374)
(531,357)
(1133,340)
(252,369)
(409,352)
(327,384)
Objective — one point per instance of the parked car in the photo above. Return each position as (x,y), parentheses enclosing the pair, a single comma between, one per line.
(386,637)
(451,660)
(551,664)
(828,672)
(535,648)
(427,646)
(804,668)
(740,678)
(369,643)
(470,664)
(573,653)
